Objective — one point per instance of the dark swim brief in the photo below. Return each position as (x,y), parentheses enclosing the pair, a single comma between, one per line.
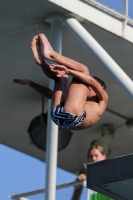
(64,119)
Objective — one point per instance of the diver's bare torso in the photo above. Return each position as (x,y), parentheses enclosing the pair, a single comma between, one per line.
(94,111)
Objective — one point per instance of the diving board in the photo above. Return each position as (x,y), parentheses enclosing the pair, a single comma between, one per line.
(112,177)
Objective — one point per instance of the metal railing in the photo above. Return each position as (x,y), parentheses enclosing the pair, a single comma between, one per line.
(64,190)
(124,7)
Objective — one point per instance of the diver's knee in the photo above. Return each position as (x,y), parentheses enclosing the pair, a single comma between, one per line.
(85,70)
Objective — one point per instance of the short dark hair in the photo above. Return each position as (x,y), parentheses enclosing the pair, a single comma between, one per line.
(100,82)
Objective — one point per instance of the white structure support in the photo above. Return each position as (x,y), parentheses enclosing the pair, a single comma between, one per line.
(125,12)
(90,43)
(52,128)
(100,15)
(125,7)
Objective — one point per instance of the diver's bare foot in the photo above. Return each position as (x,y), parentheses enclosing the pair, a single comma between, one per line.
(47,50)
(36,50)
(22,81)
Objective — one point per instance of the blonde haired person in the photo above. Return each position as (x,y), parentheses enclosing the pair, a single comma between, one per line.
(95,153)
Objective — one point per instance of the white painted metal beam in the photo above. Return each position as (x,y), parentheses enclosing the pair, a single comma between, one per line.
(125,7)
(52,128)
(100,54)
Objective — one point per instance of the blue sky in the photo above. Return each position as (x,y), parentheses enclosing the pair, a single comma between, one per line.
(20,173)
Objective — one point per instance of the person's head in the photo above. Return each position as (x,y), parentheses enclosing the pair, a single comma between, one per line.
(102,83)
(91,91)
(96,153)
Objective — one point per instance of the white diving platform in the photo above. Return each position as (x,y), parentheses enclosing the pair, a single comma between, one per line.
(112,178)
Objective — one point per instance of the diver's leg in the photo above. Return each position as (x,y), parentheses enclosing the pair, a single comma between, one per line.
(36,51)
(60,91)
(76,97)
(49,53)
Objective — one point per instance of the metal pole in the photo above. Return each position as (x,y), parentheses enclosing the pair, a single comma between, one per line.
(77,193)
(125,7)
(90,43)
(52,129)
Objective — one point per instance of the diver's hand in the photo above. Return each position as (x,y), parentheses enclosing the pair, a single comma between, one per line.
(60,70)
